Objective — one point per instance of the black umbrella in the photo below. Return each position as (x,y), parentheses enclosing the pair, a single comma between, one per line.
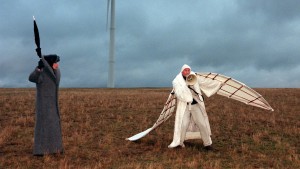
(37,38)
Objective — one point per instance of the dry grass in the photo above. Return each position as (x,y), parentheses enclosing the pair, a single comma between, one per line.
(95,123)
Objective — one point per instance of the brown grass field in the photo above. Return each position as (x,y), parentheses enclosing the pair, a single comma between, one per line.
(95,123)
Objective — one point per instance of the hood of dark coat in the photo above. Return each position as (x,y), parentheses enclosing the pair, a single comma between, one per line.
(53,58)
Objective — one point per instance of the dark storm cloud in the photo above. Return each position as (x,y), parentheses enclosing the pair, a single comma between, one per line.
(252,41)
(276,11)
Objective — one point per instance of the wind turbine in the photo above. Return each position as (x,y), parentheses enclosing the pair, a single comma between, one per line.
(111,61)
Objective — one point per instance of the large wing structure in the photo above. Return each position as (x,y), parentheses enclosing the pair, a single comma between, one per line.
(167,112)
(237,90)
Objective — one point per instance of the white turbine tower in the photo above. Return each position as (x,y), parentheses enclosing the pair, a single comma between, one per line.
(111,61)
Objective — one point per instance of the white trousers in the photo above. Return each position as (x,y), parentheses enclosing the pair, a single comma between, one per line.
(200,119)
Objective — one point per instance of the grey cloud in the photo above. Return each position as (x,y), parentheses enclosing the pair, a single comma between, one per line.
(252,41)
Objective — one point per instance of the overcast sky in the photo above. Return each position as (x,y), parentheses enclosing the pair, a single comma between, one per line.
(254,41)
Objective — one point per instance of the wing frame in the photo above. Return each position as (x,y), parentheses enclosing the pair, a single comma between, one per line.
(236,90)
(166,113)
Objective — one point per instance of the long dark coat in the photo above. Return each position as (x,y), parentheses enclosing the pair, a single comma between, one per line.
(47,132)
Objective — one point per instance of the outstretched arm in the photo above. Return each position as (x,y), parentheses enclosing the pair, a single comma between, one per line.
(209,86)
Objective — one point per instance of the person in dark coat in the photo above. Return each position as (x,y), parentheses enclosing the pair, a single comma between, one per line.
(47,132)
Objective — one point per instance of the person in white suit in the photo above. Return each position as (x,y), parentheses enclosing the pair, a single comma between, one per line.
(191,120)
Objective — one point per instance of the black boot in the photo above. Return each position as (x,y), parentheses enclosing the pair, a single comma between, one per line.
(208,148)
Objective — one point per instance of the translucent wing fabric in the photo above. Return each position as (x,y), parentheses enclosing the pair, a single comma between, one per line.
(167,111)
(236,90)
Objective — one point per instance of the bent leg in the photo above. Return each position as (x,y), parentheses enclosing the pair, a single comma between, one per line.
(200,121)
(185,125)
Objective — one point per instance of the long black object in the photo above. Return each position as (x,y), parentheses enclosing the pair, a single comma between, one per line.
(37,38)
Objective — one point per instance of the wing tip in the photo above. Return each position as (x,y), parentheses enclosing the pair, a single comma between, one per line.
(130,139)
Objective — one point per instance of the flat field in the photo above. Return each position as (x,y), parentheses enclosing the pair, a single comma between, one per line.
(95,123)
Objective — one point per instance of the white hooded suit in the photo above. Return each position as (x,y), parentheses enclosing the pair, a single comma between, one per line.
(191,121)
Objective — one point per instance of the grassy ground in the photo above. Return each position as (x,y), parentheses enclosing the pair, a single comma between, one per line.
(95,123)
